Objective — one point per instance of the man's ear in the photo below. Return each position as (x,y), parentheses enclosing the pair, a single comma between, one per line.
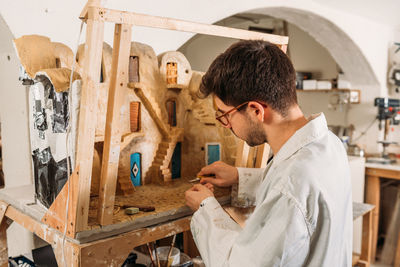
(257,110)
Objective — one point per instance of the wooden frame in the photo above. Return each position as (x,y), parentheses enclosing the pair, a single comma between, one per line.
(95,16)
(76,192)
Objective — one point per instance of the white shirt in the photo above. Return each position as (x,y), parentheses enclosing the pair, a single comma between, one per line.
(303,214)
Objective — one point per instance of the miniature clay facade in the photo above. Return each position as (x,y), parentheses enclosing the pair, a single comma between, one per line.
(162,119)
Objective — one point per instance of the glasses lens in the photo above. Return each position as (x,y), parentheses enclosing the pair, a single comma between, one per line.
(223,120)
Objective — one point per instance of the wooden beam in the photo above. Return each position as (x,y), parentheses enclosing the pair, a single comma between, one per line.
(3,235)
(87,118)
(242,153)
(112,137)
(114,250)
(136,19)
(262,155)
(373,197)
(56,216)
(366,245)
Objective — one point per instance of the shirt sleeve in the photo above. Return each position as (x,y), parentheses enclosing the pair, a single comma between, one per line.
(244,195)
(275,235)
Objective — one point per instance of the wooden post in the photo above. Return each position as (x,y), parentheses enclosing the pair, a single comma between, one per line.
(112,138)
(242,153)
(87,118)
(373,197)
(3,235)
(366,246)
(262,155)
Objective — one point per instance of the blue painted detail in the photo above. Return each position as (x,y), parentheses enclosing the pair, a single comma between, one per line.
(136,169)
(213,153)
(176,161)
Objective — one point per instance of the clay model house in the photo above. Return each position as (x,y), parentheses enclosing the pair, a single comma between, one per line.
(167,131)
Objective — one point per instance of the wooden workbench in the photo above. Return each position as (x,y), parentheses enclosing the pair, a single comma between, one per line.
(103,245)
(374,172)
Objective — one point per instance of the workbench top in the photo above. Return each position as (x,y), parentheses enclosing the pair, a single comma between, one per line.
(393,167)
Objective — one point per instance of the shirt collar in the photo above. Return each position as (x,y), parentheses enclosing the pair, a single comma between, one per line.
(315,128)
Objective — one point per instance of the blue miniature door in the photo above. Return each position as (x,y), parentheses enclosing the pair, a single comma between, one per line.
(213,152)
(176,161)
(136,166)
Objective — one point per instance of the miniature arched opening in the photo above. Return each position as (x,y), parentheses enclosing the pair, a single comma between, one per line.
(176,161)
(172,73)
(134,69)
(171,111)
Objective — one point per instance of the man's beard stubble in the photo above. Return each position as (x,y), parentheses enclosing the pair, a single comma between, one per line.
(255,136)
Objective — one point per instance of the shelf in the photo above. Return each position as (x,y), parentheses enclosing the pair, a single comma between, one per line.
(354,94)
(327,90)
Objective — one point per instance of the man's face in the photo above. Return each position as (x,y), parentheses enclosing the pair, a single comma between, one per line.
(242,124)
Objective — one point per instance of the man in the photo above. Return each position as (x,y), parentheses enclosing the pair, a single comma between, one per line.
(303,207)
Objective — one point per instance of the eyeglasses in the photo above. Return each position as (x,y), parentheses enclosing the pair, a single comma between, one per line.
(222,117)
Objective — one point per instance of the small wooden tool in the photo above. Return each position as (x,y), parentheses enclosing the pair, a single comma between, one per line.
(140,207)
(131,210)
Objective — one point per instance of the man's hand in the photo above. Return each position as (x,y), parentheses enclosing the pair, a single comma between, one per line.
(225,175)
(195,195)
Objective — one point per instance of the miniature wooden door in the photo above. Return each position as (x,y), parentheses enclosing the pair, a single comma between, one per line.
(135,116)
(172,73)
(171,109)
(134,69)
(136,166)
(176,161)
(213,152)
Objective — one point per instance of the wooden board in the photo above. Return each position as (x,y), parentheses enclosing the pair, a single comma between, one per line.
(168,200)
(117,16)
(112,137)
(87,119)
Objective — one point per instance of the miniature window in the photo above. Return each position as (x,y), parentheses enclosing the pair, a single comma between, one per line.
(176,161)
(172,73)
(102,72)
(213,152)
(135,116)
(171,109)
(134,69)
(58,63)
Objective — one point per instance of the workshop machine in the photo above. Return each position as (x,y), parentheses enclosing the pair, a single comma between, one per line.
(388,114)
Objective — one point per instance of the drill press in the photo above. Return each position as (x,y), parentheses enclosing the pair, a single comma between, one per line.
(388,114)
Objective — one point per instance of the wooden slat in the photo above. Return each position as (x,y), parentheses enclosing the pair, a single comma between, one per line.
(56,214)
(242,153)
(393,174)
(3,235)
(262,155)
(112,138)
(366,245)
(114,250)
(251,157)
(373,197)
(87,118)
(117,16)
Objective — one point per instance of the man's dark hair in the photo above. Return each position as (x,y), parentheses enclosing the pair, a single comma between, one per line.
(250,71)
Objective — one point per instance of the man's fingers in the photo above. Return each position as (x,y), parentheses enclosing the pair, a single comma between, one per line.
(209,169)
(213,181)
(209,186)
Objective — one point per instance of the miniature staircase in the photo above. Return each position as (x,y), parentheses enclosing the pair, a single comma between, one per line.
(159,169)
(151,104)
(204,116)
